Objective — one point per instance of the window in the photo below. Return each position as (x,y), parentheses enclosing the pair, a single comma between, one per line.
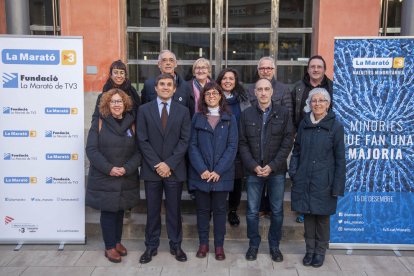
(390,17)
(44,17)
(248,30)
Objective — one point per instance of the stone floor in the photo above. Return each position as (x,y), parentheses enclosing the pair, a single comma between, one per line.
(89,260)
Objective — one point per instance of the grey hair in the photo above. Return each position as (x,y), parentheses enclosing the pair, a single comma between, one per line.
(266,58)
(165,51)
(313,92)
(204,61)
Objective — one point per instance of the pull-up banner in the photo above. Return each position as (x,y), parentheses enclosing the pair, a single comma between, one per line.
(41,140)
(374,99)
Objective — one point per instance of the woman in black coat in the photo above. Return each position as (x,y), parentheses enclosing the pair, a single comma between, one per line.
(237,100)
(317,168)
(113,181)
(118,78)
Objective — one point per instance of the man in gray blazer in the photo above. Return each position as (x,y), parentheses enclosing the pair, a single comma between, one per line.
(163,130)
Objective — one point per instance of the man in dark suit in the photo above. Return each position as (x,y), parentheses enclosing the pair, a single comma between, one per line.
(167,63)
(163,130)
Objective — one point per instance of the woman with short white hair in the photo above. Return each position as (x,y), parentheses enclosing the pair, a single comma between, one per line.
(202,75)
(317,170)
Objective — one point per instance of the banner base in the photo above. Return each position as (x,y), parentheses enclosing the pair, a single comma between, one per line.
(351,246)
(61,244)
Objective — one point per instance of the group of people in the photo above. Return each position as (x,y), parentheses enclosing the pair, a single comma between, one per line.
(212,134)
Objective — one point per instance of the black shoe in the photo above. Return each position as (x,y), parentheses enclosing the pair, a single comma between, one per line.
(307,260)
(276,255)
(251,254)
(147,256)
(192,196)
(318,260)
(179,254)
(233,218)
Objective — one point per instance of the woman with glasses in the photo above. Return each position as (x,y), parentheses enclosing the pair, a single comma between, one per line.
(118,78)
(317,170)
(212,149)
(113,180)
(237,99)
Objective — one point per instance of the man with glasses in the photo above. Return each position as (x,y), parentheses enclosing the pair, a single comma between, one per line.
(315,77)
(265,139)
(167,62)
(266,69)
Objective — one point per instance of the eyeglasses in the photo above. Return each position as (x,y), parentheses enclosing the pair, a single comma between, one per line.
(266,68)
(319,101)
(263,89)
(213,93)
(116,102)
(201,68)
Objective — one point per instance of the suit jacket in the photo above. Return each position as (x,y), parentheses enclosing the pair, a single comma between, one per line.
(158,145)
(182,93)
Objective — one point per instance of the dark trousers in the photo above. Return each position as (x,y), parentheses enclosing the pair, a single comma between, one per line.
(214,202)
(264,202)
(235,195)
(111,225)
(153,194)
(317,233)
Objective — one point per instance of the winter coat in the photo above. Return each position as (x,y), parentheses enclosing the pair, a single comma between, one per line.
(114,145)
(317,166)
(300,93)
(212,150)
(278,140)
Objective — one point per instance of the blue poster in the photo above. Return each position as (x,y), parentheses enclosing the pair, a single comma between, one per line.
(374,99)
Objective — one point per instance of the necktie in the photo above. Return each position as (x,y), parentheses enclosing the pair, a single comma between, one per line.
(164,116)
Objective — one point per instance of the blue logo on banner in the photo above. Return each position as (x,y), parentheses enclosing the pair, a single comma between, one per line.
(49,180)
(16,180)
(7,156)
(48,133)
(6,110)
(26,56)
(58,156)
(57,110)
(15,133)
(10,80)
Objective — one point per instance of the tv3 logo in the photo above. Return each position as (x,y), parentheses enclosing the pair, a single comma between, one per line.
(68,57)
